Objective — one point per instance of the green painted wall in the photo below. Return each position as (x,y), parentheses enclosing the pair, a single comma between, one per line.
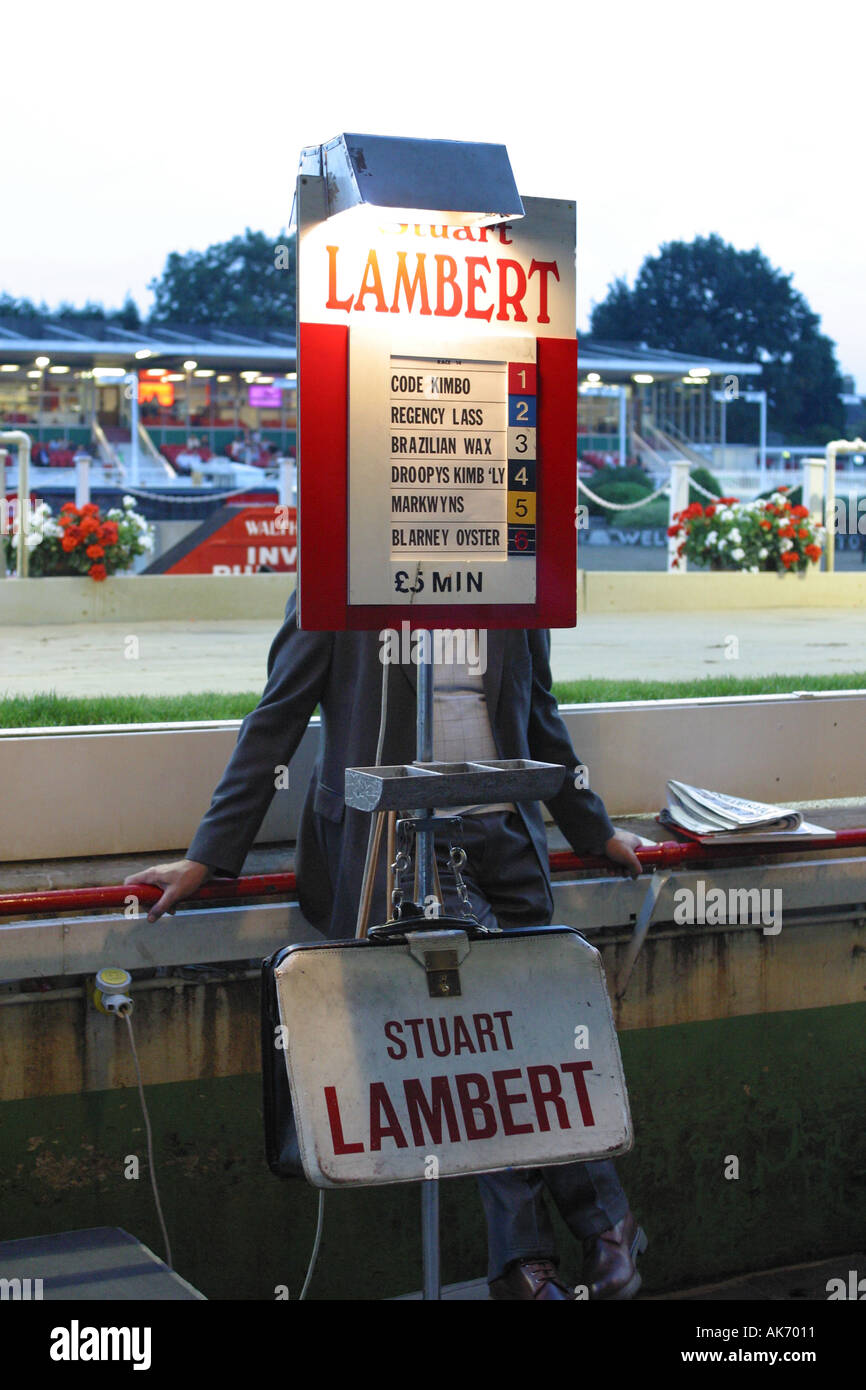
(783,1092)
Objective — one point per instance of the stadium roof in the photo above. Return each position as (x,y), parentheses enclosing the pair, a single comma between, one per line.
(94,342)
(614,360)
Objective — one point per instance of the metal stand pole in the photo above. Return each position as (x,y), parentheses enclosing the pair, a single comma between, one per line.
(424,850)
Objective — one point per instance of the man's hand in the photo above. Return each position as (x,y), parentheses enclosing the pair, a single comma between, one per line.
(620,848)
(180,880)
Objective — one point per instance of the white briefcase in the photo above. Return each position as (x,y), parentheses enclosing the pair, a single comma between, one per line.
(446,1053)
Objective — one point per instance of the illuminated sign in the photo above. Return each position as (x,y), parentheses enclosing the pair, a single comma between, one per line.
(437,413)
(265,397)
(150,389)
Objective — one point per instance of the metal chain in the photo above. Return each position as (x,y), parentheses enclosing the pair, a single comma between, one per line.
(457,858)
(401,865)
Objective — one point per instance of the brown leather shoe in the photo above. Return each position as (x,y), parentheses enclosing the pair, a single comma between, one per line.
(529,1280)
(609,1260)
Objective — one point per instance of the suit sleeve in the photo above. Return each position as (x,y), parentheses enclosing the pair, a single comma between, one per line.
(298,664)
(579,812)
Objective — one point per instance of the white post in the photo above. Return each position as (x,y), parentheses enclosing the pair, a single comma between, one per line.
(622,427)
(814,485)
(762,447)
(135,451)
(287,480)
(82,480)
(679,499)
(22,439)
(830,508)
(5,529)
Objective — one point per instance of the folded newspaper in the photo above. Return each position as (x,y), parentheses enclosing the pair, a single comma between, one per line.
(716,818)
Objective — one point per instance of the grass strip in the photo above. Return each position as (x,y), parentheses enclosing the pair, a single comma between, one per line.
(50,710)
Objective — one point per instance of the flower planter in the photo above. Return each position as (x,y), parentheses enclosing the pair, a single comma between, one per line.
(748,537)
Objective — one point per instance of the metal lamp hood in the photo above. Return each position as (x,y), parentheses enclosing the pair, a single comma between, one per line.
(458,180)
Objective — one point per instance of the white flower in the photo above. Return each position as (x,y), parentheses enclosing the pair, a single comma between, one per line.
(763,553)
(128,501)
(725,514)
(722,543)
(738,554)
(787,544)
(735,536)
(33,539)
(712,538)
(146,542)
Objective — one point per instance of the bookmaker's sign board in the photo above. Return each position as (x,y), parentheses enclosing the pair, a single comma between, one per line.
(516,1065)
(437,418)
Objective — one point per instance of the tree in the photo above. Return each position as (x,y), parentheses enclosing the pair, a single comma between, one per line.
(125,317)
(707,298)
(239,283)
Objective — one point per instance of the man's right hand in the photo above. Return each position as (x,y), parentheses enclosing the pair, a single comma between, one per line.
(180,880)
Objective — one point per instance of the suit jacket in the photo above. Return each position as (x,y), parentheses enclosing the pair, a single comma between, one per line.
(342,673)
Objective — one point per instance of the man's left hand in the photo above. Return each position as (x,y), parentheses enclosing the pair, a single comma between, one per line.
(620,849)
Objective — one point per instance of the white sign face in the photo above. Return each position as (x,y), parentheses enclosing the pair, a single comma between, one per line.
(443,326)
(521,1068)
(441,474)
(449,476)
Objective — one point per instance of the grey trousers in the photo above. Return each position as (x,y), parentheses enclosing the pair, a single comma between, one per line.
(507,887)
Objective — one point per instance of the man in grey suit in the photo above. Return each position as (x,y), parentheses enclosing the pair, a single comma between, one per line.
(507,872)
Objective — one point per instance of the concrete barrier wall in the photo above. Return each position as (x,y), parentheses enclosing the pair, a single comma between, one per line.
(160,598)
(139,789)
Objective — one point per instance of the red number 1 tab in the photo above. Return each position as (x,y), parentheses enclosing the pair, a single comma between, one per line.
(521,379)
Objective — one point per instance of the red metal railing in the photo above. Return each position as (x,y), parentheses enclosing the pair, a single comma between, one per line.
(670,854)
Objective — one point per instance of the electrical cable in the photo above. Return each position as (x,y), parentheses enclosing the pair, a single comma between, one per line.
(315,1255)
(168,1259)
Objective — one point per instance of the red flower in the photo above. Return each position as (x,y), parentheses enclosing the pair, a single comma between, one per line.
(726,501)
(790,557)
(799,511)
(785,488)
(98,572)
(767,525)
(108,533)
(814,552)
(710,511)
(803,533)
(786,532)
(95,552)
(90,509)
(89,526)
(673,530)
(68,543)
(68,507)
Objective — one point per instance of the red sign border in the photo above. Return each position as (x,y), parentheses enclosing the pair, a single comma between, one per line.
(323,438)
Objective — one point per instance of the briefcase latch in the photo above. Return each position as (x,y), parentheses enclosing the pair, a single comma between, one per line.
(440,953)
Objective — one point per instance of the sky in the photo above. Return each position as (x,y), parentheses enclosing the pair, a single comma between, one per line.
(132,131)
